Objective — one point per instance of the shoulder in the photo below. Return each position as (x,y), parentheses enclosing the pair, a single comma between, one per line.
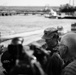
(70,69)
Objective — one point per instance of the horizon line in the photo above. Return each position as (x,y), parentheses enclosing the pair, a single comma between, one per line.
(29,6)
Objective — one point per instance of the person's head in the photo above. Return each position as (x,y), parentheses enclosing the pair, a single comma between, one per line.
(60,28)
(63,50)
(69,40)
(17,40)
(51,36)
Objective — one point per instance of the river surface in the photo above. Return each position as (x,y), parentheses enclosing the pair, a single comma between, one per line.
(30,27)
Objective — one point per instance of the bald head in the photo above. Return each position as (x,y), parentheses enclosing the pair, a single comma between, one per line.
(69,40)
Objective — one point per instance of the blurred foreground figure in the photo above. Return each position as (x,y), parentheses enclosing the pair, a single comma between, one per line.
(18,61)
(8,58)
(69,54)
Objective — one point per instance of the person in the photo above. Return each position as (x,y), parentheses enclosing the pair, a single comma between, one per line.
(16,48)
(26,62)
(69,41)
(51,38)
(10,55)
(54,63)
(69,54)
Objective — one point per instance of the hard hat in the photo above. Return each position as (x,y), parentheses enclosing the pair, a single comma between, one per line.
(17,40)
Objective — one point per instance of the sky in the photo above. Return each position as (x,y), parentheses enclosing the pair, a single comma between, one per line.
(35,2)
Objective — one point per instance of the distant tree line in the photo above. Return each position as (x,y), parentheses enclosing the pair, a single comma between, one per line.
(67,8)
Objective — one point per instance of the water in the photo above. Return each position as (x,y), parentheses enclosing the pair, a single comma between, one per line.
(18,24)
